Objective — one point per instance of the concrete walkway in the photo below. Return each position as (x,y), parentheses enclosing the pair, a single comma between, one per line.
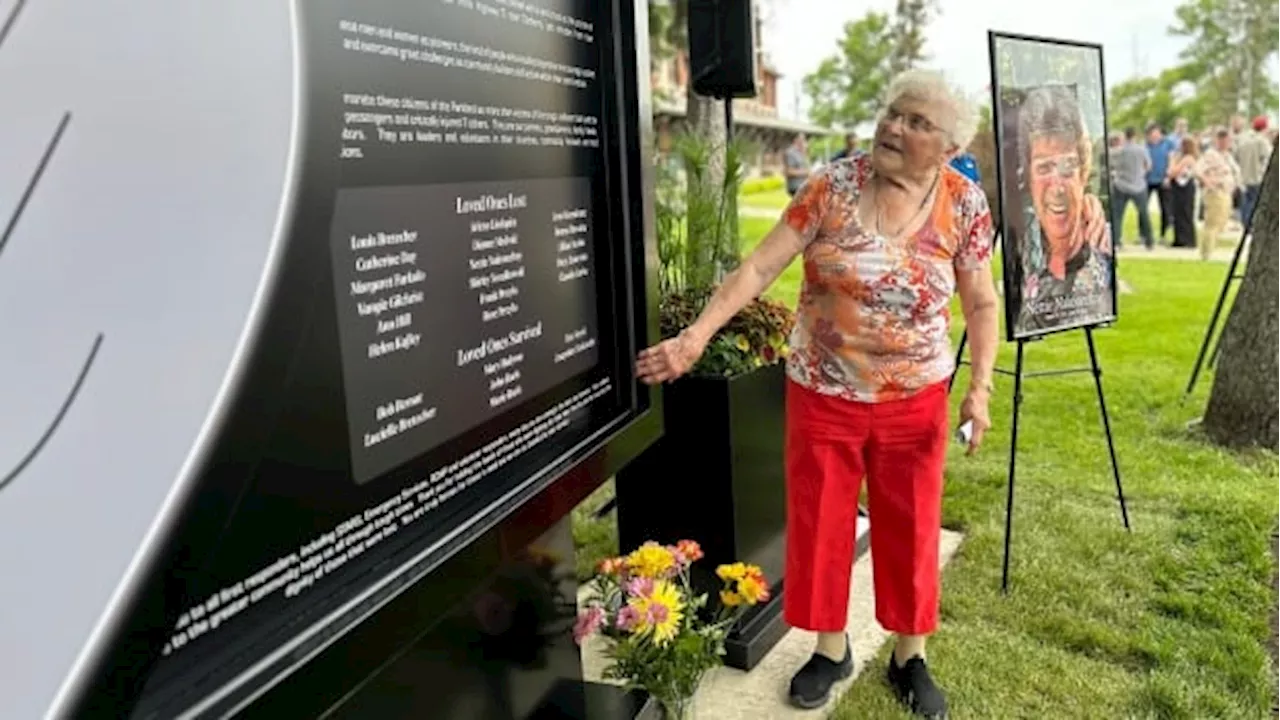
(753,211)
(1135,251)
(728,694)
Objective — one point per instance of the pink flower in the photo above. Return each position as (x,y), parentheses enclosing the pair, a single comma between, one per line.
(589,621)
(628,618)
(681,560)
(657,613)
(640,587)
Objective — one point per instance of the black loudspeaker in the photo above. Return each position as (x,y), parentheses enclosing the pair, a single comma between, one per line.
(722,48)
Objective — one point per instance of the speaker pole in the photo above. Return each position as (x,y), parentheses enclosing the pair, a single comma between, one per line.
(728,119)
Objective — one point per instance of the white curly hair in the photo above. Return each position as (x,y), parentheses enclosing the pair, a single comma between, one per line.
(958,115)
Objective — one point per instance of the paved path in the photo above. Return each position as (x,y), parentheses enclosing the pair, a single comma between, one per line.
(1220,255)
(753,211)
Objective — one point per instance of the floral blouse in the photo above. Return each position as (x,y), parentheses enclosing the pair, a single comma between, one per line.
(1219,170)
(873,317)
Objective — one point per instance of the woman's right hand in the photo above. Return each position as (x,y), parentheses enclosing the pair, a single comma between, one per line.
(670,358)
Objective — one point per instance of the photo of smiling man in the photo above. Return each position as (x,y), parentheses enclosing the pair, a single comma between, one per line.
(1055,185)
(1065,250)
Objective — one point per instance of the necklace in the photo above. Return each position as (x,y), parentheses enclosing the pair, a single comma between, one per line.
(923,202)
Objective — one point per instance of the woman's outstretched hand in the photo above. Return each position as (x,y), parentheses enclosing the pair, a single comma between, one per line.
(669,359)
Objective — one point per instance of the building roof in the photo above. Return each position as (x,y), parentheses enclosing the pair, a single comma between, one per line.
(677,109)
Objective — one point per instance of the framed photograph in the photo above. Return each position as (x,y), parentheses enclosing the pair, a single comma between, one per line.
(1050,118)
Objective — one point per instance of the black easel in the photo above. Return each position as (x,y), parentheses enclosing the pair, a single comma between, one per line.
(1018,375)
(1232,276)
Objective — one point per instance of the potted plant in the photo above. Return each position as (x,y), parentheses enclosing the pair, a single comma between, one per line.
(660,639)
(722,448)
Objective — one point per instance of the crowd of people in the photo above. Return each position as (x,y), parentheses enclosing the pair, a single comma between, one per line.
(1202,181)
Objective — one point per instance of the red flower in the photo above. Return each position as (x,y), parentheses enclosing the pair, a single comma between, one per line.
(691,550)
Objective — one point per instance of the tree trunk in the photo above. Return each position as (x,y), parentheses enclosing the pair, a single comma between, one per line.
(705,118)
(1243,404)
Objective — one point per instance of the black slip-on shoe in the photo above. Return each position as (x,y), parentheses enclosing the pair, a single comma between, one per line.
(915,689)
(811,685)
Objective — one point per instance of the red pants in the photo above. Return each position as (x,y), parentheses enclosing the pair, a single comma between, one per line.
(900,446)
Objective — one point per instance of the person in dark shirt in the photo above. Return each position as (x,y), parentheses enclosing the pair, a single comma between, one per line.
(849,150)
(795,164)
(1160,148)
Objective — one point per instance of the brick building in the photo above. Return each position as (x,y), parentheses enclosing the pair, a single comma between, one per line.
(754,119)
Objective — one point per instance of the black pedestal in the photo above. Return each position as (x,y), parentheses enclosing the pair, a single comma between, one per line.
(503,653)
(592,701)
(716,477)
(488,638)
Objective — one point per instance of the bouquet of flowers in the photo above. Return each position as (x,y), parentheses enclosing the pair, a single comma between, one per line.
(662,636)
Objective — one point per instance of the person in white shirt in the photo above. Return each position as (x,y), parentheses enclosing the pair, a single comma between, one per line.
(1219,176)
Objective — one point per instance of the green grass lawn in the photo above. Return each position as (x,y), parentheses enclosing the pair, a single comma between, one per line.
(1169,621)
(778,199)
(769,200)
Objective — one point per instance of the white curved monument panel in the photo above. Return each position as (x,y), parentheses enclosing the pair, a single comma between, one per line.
(145,152)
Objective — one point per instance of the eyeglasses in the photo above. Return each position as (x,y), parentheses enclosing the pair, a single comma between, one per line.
(1064,166)
(914,122)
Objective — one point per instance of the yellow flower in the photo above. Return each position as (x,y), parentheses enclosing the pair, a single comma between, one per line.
(736,571)
(743,344)
(776,340)
(744,584)
(650,560)
(751,589)
(660,612)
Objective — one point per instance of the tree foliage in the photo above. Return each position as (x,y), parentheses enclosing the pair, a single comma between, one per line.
(846,87)
(1161,99)
(694,213)
(910,20)
(1230,44)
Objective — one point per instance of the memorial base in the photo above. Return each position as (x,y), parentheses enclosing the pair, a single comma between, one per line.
(747,645)
(717,477)
(578,700)
(489,637)
(752,639)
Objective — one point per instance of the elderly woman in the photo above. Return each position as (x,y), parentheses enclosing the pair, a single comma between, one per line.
(887,237)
